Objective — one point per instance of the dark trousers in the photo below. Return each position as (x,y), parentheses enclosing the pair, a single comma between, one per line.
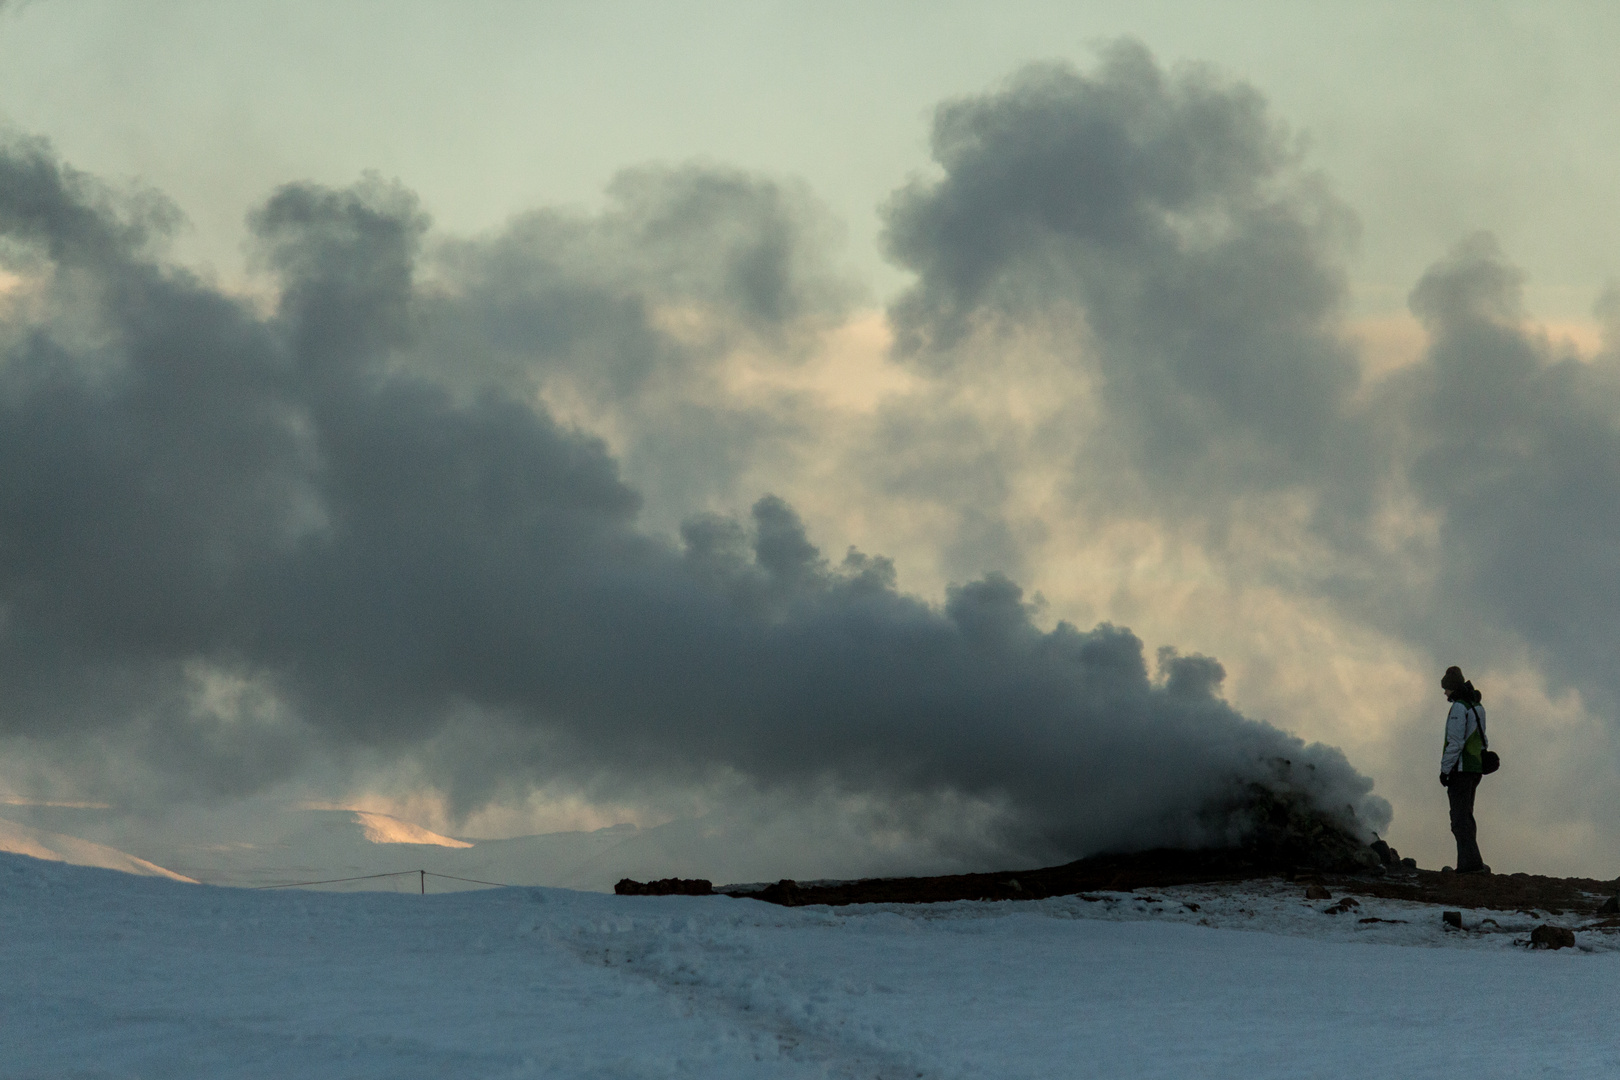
(1461,791)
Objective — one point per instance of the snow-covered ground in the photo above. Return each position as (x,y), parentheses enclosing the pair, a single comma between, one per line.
(111,975)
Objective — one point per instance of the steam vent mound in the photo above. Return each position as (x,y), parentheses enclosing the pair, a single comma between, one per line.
(1287,836)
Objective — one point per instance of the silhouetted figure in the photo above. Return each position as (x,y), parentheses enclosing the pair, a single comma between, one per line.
(1462,765)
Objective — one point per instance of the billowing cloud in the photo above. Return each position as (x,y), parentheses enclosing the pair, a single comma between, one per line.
(1168,217)
(246,544)
(632,315)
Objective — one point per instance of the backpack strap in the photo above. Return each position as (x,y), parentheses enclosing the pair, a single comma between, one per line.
(1484,740)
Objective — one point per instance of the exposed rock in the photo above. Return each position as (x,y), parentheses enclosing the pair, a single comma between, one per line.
(1547,936)
(786,892)
(1611,906)
(1157,869)
(1343,906)
(1317,892)
(1286,828)
(1452,919)
(665,887)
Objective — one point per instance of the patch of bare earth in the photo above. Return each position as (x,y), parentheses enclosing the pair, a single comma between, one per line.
(1165,868)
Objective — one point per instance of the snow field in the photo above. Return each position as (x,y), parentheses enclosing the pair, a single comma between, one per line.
(1279,907)
(116,976)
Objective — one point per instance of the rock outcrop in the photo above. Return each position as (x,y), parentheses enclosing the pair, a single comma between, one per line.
(1548,936)
(672,886)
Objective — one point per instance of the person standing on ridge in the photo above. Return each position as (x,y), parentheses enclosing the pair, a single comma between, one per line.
(1462,765)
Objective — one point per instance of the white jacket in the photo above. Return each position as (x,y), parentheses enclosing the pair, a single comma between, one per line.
(1460,722)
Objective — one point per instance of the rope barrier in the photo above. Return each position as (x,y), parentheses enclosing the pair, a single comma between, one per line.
(475,881)
(422,875)
(336,880)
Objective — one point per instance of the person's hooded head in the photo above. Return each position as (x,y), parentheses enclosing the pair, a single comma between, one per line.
(1458,688)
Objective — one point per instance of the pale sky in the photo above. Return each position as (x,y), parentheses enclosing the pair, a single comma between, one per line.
(1431,120)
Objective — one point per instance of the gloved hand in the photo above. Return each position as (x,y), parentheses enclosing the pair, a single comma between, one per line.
(1445,779)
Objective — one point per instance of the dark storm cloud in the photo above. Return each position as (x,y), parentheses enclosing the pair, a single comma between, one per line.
(1168,212)
(380,547)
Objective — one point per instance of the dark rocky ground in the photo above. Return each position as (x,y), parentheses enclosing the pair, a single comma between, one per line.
(1289,839)
(1499,892)
(1160,869)
(1163,868)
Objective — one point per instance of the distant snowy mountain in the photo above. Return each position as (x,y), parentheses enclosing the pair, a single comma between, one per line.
(384,829)
(322,845)
(262,845)
(26,840)
(288,846)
